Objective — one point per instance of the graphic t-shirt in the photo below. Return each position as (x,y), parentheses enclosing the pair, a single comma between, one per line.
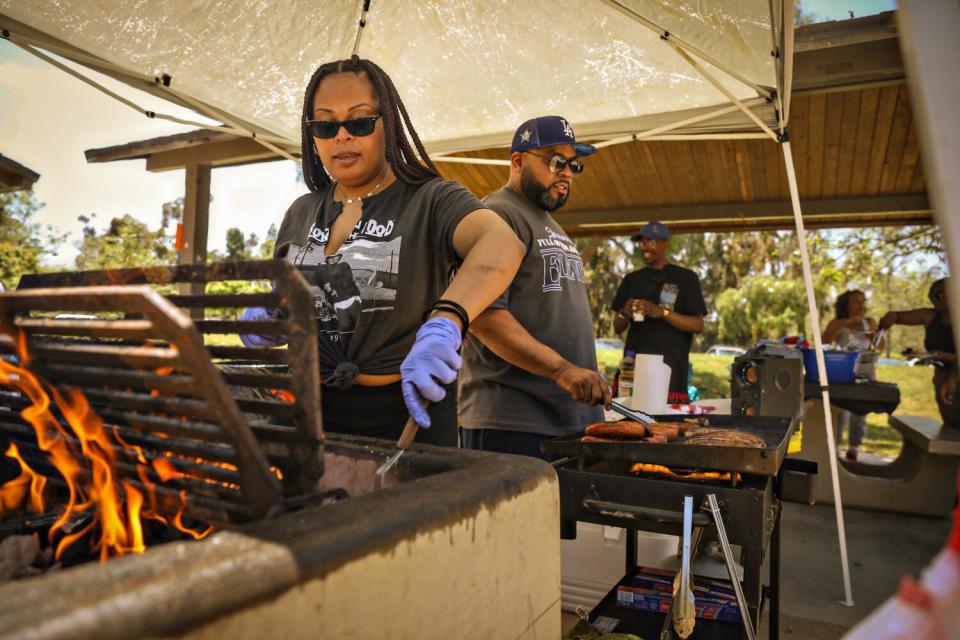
(676,289)
(370,296)
(549,298)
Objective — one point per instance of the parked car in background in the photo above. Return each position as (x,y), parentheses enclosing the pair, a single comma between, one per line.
(602,344)
(725,350)
(895,362)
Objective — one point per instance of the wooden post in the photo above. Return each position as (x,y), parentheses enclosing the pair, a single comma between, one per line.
(196,219)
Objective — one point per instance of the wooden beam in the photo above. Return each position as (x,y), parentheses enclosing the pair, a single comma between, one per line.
(743,210)
(216,154)
(849,66)
(779,223)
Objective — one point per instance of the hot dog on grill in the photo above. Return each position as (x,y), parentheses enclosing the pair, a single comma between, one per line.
(622,429)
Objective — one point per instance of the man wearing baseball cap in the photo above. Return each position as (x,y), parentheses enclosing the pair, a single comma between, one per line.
(662,304)
(530,366)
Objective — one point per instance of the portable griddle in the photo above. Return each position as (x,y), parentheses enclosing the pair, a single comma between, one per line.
(775,432)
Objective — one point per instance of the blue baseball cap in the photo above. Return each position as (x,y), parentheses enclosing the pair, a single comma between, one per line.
(653,229)
(548,131)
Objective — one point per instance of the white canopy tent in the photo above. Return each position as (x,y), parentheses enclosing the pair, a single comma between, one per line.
(468,71)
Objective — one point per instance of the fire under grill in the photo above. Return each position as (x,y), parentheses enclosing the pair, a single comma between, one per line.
(225,432)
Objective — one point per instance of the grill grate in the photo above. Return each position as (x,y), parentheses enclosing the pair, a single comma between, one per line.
(142,364)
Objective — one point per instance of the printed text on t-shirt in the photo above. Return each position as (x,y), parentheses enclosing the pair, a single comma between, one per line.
(561,261)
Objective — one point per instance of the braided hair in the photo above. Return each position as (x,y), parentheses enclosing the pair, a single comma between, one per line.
(407,165)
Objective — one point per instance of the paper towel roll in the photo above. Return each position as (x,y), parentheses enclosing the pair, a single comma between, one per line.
(651,383)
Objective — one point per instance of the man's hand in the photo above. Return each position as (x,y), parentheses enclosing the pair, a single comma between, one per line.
(631,306)
(948,390)
(888,320)
(650,309)
(583,385)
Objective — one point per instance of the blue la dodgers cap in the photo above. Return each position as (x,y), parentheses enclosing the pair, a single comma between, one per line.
(653,229)
(547,131)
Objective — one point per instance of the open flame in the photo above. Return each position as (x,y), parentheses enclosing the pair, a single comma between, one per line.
(83,453)
(643,467)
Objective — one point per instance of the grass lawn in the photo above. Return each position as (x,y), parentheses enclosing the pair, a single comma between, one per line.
(712,375)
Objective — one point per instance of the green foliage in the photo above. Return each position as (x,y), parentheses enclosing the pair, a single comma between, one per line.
(801,16)
(23,242)
(270,242)
(605,263)
(233,287)
(128,242)
(762,306)
(753,281)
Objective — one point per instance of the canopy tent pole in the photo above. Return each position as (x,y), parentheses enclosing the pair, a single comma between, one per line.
(931,51)
(700,53)
(709,77)
(650,134)
(821,369)
(786,63)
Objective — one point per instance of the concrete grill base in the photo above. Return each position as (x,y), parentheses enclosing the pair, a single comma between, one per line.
(465,545)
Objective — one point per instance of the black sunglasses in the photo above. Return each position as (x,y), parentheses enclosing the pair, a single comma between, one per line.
(327,129)
(558,161)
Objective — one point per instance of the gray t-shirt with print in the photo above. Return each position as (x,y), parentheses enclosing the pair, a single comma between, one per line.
(549,298)
(370,296)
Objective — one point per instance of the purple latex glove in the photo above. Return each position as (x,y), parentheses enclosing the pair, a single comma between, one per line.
(255,340)
(432,358)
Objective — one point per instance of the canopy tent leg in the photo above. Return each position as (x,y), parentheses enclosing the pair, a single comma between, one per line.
(821,368)
(928,40)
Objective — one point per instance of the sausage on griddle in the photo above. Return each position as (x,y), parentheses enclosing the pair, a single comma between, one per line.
(622,429)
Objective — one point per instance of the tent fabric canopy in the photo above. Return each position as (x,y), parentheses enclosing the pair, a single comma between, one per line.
(468,71)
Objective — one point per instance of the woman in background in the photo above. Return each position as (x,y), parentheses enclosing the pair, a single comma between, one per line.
(938,342)
(851,329)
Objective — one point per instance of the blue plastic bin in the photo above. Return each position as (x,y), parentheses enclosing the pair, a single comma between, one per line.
(841,365)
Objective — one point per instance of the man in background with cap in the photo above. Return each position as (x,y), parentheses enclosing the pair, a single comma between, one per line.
(530,366)
(662,304)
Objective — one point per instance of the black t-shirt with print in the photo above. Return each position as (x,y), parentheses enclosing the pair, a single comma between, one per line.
(678,290)
(370,296)
(548,298)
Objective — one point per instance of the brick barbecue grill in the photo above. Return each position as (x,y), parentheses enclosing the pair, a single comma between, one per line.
(307,538)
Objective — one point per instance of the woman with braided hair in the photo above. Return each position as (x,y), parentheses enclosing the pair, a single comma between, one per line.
(404,258)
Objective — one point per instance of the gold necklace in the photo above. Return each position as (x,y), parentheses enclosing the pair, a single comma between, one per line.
(347,201)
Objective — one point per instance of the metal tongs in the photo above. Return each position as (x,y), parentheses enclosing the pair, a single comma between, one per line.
(638,416)
(875,343)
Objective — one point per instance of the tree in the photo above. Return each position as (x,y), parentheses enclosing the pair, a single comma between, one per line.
(763,306)
(238,247)
(801,16)
(128,242)
(605,264)
(23,243)
(753,281)
(269,243)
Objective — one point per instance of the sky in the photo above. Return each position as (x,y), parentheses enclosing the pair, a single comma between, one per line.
(838,9)
(48,119)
